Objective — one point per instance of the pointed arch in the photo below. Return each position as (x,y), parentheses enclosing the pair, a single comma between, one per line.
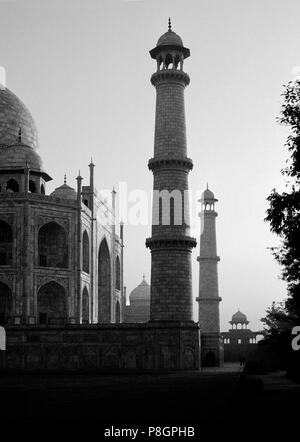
(85,306)
(52,246)
(12,186)
(85,252)
(5,303)
(118,273)
(32,186)
(52,302)
(118,312)
(104,283)
(6,243)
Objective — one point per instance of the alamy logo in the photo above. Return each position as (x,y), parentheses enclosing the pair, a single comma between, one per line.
(2,338)
(296,339)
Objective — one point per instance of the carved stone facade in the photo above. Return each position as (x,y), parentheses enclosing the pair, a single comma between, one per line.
(101,347)
(50,245)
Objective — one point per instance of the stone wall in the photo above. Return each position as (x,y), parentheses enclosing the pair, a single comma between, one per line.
(151,346)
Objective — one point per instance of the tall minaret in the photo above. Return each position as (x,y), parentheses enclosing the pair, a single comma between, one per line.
(209,318)
(170,243)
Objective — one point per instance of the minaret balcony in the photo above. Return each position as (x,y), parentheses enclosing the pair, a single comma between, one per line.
(170,75)
(182,242)
(170,163)
(208,258)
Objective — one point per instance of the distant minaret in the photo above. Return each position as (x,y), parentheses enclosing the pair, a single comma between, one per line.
(209,318)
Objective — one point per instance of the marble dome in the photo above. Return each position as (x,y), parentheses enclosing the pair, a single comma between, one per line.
(170,38)
(14,116)
(18,156)
(141,292)
(239,317)
(208,195)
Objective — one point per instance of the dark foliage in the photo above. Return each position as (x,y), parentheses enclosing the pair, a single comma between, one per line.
(284,218)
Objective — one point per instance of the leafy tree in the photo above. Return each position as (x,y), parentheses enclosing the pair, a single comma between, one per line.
(284,218)
(284,208)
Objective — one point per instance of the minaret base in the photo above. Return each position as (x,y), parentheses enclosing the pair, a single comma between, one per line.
(176,345)
(212,354)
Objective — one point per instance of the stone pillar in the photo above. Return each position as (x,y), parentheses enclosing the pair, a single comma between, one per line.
(78,312)
(170,243)
(26,178)
(113,259)
(27,263)
(93,243)
(122,271)
(208,300)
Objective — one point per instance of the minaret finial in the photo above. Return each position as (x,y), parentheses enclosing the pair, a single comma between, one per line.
(169,24)
(65,179)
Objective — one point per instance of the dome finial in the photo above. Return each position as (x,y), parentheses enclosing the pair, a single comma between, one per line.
(20,135)
(206,186)
(143,277)
(65,179)
(169,25)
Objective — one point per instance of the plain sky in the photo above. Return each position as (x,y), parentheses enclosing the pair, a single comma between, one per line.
(83,69)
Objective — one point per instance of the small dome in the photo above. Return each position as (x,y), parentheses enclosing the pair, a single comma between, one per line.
(208,195)
(170,38)
(141,292)
(15,116)
(239,318)
(65,192)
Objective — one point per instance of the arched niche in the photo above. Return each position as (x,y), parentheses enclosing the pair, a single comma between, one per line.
(85,252)
(52,246)
(104,283)
(85,306)
(5,303)
(6,243)
(118,273)
(52,302)
(118,312)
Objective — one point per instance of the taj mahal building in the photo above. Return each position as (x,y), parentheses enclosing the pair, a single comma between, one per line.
(61,259)
(60,254)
